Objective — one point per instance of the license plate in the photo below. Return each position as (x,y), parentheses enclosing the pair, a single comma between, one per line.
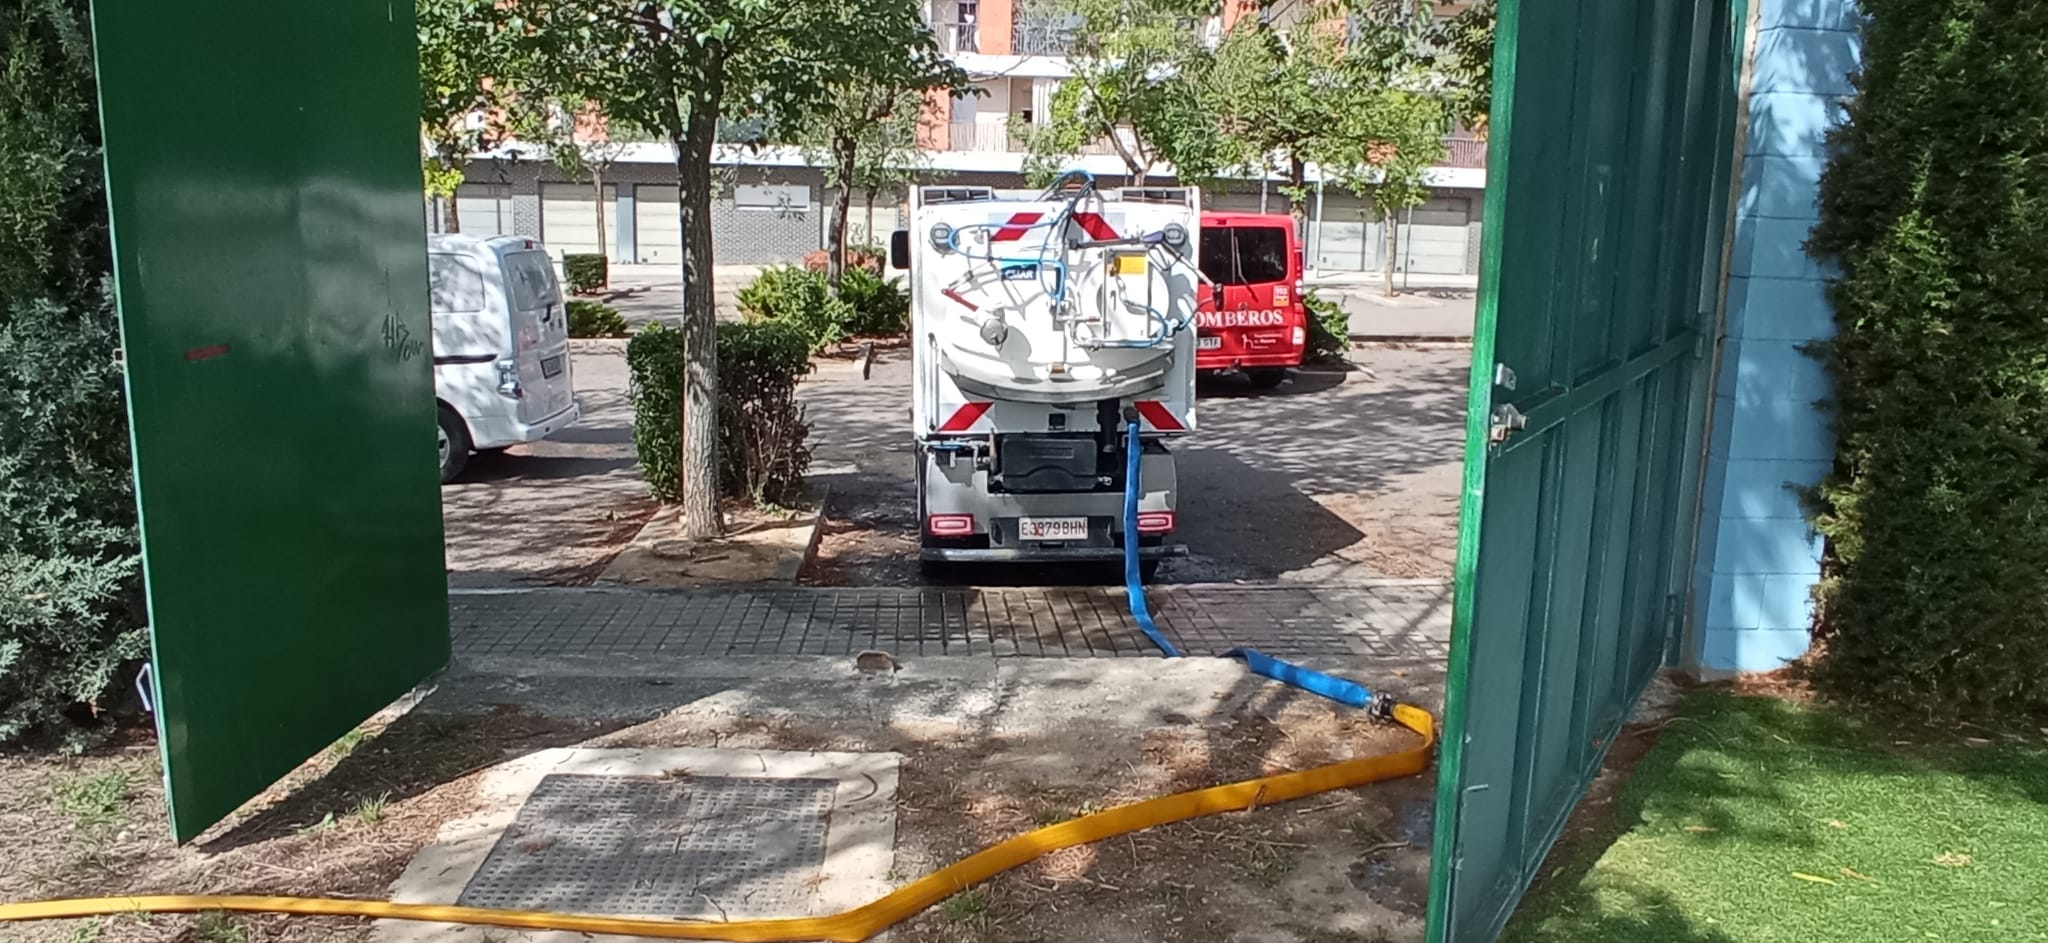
(1053,528)
(1210,342)
(551,367)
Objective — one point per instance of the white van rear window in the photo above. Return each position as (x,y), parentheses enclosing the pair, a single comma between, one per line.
(532,276)
(454,284)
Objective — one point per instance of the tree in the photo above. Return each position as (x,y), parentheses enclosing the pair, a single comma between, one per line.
(71,608)
(1134,65)
(581,141)
(867,138)
(1275,94)
(1382,150)
(676,67)
(1464,58)
(464,72)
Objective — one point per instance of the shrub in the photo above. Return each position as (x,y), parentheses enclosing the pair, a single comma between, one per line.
(881,308)
(1329,329)
(595,319)
(1935,206)
(868,258)
(586,274)
(71,610)
(762,436)
(801,299)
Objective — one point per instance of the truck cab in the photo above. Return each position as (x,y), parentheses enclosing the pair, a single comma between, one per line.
(1252,319)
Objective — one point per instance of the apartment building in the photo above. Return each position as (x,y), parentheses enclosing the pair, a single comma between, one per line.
(774,208)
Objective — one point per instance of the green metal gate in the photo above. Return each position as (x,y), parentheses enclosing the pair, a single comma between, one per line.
(1606,205)
(264,179)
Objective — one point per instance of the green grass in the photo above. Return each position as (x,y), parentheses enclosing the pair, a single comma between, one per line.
(969,908)
(93,802)
(1754,820)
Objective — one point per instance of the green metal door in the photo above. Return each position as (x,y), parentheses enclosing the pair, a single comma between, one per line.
(1606,202)
(264,178)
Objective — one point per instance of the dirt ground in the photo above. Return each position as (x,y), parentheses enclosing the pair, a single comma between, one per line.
(1363,466)
(554,511)
(344,824)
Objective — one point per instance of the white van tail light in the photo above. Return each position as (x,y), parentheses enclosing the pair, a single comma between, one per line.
(508,379)
(950,525)
(1155,522)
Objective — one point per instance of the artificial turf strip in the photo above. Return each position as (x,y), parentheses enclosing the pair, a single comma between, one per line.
(1755,820)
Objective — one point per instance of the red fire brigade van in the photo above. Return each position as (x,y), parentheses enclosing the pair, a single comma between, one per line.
(1261,326)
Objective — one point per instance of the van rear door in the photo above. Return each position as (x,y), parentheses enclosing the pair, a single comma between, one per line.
(540,328)
(1256,262)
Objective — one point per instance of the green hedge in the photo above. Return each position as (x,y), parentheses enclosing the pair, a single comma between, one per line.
(71,609)
(586,274)
(868,304)
(595,319)
(1935,207)
(763,446)
(1329,329)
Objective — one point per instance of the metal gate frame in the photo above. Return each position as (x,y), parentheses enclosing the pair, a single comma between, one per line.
(1606,207)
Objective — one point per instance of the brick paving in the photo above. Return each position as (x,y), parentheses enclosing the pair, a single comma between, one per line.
(1402,620)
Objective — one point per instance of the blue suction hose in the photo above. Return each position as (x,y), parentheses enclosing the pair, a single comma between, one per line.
(1134,584)
(1349,693)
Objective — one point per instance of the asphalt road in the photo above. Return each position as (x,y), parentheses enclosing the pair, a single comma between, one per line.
(1336,476)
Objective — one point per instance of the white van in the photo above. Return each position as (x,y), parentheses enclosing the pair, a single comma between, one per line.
(501,345)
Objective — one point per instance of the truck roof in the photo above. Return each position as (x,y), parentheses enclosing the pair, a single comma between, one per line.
(1226,218)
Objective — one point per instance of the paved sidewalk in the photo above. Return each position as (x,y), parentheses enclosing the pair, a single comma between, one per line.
(1405,620)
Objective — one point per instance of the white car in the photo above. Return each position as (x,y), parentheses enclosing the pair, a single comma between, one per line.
(501,345)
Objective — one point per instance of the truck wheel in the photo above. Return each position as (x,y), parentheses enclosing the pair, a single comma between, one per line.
(454,441)
(1266,378)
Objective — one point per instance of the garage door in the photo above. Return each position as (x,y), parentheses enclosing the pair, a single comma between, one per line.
(657,224)
(484,209)
(1345,243)
(857,223)
(1433,238)
(568,217)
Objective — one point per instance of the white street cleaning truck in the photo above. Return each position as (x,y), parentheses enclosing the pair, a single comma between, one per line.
(1045,327)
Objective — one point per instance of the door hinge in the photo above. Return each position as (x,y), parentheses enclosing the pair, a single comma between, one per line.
(1506,421)
(1503,376)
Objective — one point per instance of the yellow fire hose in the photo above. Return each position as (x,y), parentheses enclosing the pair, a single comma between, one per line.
(852,926)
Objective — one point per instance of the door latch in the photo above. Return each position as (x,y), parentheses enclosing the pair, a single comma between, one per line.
(1503,376)
(1505,421)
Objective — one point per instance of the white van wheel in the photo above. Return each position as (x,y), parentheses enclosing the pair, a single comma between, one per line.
(454,442)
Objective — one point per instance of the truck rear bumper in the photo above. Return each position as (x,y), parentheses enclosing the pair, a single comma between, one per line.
(1046,554)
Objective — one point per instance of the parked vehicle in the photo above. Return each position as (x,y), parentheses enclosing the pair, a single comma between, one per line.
(1043,325)
(501,345)
(1259,324)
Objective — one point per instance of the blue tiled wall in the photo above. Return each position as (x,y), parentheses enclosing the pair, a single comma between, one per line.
(1758,558)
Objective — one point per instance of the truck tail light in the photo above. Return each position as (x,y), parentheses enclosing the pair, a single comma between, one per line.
(508,379)
(1155,522)
(949,525)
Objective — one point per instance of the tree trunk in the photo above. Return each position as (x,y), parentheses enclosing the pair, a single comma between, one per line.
(1297,182)
(869,193)
(1393,251)
(842,210)
(597,184)
(451,218)
(700,512)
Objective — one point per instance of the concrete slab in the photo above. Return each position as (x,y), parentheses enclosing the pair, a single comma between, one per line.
(858,795)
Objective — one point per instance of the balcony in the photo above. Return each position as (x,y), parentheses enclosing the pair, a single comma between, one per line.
(1043,38)
(983,136)
(957,37)
(1462,150)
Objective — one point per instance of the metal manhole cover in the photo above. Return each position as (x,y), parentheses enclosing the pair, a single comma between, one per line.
(660,847)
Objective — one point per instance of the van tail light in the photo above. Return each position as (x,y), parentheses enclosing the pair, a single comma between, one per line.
(508,379)
(950,525)
(1155,522)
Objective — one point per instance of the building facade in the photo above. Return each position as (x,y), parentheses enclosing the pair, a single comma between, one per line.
(774,206)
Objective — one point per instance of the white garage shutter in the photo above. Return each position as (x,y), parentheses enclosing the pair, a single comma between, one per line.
(657,224)
(885,222)
(568,218)
(484,209)
(1433,239)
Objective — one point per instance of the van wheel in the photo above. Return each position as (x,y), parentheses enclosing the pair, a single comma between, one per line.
(454,441)
(1148,570)
(1266,378)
